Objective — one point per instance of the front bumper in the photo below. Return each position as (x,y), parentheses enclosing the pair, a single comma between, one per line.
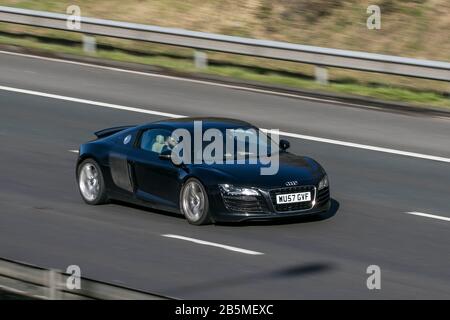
(239,217)
(267,209)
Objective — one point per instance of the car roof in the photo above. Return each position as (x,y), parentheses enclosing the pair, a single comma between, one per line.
(207,122)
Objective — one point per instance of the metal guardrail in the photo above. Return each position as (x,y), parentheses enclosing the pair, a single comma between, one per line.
(39,283)
(318,56)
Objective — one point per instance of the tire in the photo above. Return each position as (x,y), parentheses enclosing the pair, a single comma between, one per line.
(91,183)
(193,195)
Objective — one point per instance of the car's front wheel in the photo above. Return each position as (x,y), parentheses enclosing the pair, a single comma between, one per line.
(194,202)
(91,183)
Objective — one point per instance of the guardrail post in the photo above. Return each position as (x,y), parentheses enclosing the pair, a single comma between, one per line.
(200,60)
(54,280)
(89,44)
(321,74)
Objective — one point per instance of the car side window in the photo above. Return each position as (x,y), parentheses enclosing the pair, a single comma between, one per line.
(155,140)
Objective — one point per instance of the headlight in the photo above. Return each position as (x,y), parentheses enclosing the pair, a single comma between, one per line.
(323,183)
(231,190)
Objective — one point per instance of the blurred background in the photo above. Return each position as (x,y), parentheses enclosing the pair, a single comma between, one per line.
(417,29)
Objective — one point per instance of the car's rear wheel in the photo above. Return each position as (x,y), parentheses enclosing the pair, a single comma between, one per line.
(91,182)
(194,202)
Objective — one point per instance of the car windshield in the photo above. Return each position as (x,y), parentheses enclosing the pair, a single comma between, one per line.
(248,142)
(221,144)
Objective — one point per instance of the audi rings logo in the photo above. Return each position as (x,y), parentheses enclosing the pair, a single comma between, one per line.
(291,183)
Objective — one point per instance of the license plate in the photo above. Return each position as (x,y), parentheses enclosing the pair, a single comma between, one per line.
(293,197)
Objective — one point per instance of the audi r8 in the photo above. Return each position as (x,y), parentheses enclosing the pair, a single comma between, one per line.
(137,164)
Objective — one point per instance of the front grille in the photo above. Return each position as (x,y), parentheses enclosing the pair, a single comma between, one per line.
(292,206)
(245,204)
(323,195)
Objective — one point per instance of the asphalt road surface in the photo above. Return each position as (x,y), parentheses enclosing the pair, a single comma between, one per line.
(44,221)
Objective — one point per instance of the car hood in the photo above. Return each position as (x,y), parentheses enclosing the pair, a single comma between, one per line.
(304,170)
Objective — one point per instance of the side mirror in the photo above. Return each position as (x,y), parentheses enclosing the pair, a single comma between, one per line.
(284,144)
(166,155)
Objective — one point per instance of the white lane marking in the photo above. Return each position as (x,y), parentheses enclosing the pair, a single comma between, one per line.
(204,82)
(363,146)
(90,102)
(429,215)
(282,133)
(74,151)
(212,244)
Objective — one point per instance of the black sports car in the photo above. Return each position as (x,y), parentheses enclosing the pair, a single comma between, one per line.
(137,164)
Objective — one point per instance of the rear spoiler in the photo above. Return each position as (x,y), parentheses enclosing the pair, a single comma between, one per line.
(109,131)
